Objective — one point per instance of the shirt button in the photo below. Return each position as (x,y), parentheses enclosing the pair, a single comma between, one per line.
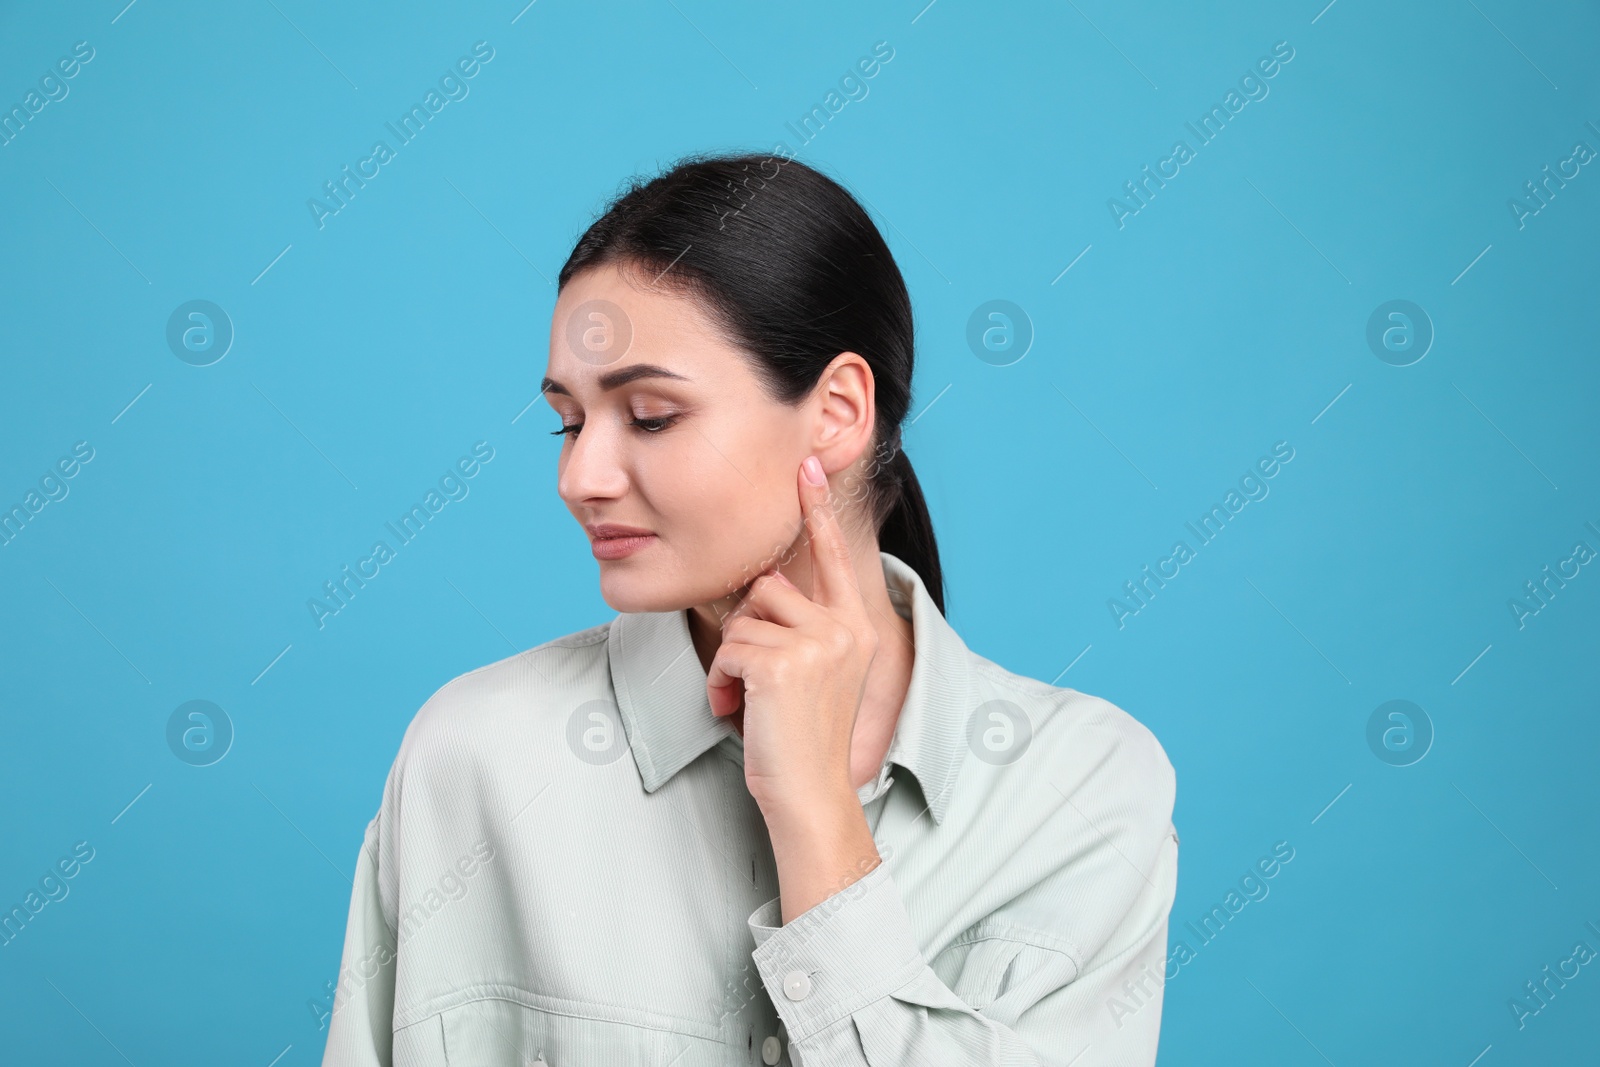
(796,985)
(771,1051)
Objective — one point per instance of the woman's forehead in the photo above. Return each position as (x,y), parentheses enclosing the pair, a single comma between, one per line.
(607,325)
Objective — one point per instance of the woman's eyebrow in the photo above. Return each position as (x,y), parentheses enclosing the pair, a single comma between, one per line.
(612,379)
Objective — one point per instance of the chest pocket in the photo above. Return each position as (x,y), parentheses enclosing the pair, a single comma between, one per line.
(420,1045)
(505,1033)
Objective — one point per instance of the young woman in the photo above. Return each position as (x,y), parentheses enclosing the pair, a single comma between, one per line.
(775,811)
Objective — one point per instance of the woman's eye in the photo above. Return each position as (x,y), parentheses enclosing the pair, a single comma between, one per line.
(653,425)
(649,426)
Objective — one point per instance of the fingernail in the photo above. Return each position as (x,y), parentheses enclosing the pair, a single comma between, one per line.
(813,468)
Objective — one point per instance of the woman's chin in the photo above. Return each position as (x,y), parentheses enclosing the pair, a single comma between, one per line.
(632,585)
(638,592)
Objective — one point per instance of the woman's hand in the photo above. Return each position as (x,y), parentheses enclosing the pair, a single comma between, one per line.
(795,667)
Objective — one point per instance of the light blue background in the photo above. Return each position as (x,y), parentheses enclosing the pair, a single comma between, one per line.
(1227,315)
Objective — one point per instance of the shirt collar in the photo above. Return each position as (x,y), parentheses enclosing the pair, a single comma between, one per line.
(661,692)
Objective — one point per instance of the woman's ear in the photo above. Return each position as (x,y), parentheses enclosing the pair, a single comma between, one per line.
(845,400)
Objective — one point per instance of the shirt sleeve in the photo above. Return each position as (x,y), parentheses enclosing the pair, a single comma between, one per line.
(854,989)
(361,1032)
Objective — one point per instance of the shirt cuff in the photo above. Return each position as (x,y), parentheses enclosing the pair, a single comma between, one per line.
(850,950)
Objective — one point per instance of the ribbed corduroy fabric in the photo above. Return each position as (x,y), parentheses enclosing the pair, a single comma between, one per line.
(567,870)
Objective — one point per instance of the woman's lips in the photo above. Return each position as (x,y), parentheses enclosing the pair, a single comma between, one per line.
(619,547)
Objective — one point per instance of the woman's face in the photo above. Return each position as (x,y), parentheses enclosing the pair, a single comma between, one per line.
(669,433)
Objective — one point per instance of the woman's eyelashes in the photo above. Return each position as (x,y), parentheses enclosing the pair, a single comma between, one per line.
(644,426)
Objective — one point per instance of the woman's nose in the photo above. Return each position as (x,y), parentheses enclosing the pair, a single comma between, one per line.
(593,469)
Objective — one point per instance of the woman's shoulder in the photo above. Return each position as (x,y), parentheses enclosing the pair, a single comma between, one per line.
(500,702)
(1083,735)
(551,662)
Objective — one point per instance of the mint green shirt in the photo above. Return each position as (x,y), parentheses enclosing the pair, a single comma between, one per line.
(567,870)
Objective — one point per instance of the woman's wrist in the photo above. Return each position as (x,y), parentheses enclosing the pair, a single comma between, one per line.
(821,847)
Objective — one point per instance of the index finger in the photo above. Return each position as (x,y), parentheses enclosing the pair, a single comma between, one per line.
(833,576)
